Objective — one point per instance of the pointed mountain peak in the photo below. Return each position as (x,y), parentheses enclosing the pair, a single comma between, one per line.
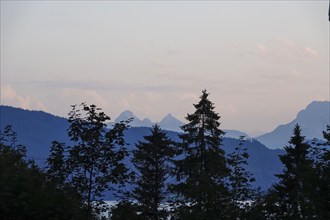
(169,116)
(125,115)
(169,122)
(147,122)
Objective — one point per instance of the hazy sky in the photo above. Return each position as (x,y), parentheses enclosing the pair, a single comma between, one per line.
(261,61)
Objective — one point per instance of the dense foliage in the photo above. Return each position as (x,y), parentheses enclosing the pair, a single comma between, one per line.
(201,173)
(240,181)
(293,192)
(25,191)
(95,163)
(152,159)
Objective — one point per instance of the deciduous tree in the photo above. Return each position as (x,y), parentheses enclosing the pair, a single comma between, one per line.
(95,162)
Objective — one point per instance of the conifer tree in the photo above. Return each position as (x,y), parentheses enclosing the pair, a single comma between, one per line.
(152,160)
(240,180)
(202,171)
(325,177)
(57,169)
(292,196)
(321,183)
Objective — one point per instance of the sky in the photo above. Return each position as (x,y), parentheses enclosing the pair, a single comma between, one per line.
(261,61)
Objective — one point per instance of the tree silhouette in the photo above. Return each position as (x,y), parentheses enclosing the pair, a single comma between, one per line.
(321,156)
(202,171)
(25,191)
(95,163)
(240,180)
(293,194)
(152,159)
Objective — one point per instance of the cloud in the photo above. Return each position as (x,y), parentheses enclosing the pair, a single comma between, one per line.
(9,96)
(82,95)
(188,96)
(283,50)
(262,48)
(311,52)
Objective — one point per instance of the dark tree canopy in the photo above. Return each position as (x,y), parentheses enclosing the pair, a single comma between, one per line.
(195,176)
(152,159)
(321,184)
(202,172)
(95,163)
(293,194)
(25,191)
(240,180)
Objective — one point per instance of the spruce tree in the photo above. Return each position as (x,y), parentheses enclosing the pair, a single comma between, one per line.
(152,160)
(240,180)
(325,177)
(292,196)
(202,171)
(321,183)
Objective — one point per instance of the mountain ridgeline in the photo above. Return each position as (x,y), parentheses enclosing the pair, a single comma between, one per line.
(169,122)
(36,130)
(312,120)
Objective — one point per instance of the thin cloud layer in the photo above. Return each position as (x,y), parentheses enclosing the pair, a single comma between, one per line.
(155,57)
(9,96)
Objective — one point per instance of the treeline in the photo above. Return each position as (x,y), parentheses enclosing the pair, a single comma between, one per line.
(189,179)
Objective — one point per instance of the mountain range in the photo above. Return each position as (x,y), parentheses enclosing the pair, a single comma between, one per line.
(169,122)
(312,120)
(36,130)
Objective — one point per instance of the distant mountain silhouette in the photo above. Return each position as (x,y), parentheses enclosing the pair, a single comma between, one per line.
(169,122)
(136,122)
(235,134)
(147,122)
(312,120)
(36,130)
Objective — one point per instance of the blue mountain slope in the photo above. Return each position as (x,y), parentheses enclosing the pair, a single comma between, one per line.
(312,120)
(263,162)
(36,130)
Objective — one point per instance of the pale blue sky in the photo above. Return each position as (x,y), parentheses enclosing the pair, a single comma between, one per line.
(262,61)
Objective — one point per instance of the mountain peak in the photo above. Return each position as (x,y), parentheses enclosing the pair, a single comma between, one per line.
(147,122)
(125,115)
(316,113)
(312,120)
(169,116)
(169,122)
